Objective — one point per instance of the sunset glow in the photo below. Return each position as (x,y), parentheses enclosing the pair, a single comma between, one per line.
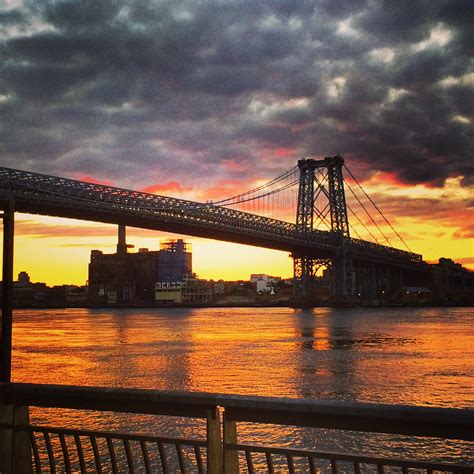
(148,96)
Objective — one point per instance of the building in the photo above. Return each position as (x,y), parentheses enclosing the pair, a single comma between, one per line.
(27,294)
(218,287)
(129,278)
(452,283)
(169,292)
(196,291)
(264,283)
(175,260)
(190,290)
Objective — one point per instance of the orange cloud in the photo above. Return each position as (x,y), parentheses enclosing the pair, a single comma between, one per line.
(171,188)
(90,179)
(226,188)
(73,229)
(389,178)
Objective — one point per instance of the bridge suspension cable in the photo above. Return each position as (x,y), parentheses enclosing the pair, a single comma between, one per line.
(377,208)
(259,196)
(238,197)
(368,214)
(276,199)
(362,224)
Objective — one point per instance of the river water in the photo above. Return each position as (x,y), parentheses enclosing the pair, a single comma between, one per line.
(422,356)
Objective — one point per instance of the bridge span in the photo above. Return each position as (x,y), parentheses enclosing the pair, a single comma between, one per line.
(35,193)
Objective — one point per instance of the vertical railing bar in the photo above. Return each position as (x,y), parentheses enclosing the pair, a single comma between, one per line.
(357,468)
(380,469)
(179,451)
(248,458)
(128,453)
(312,465)
(334,466)
(113,459)
(80,452)
(67,463)
(146,457)
(164,462)
(214,441)
(404,470)
(49,449)
(95,449)
(34,447)
(268,457)
(291,466)
(429,471)
(229,436)
(199,462)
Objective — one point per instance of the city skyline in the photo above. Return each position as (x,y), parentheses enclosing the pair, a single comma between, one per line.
(155,96)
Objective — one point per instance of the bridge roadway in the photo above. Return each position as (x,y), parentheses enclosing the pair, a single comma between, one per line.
(36,193)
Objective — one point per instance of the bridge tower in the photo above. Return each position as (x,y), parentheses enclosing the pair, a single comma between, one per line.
(305,266)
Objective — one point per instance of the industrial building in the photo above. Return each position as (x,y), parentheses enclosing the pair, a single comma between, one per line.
(129,278)
(190,290)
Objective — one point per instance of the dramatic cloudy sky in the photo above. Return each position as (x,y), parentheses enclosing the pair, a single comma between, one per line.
(182,97)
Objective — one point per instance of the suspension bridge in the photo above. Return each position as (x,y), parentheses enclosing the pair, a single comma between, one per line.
(304,211)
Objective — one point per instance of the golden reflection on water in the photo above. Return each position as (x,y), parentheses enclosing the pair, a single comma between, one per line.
(416,357)
(413,357)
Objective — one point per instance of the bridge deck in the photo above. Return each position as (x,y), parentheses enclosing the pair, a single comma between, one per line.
(54,196)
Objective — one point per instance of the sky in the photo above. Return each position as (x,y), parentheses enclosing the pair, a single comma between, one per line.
(206,99)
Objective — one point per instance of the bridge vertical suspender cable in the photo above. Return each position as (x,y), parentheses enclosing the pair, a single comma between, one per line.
(269,199)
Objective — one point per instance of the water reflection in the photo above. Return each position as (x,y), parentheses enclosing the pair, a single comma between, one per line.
(416,357)
(421,357)
(322,374)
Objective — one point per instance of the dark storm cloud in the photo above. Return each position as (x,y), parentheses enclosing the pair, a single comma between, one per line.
(139,92)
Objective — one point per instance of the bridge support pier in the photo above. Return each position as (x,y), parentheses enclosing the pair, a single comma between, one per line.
(304,273)
(343,283)
(7,292)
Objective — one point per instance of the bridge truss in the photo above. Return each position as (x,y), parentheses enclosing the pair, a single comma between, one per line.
(36,193)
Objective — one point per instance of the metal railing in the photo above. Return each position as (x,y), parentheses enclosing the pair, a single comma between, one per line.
(72,450)
(54,449)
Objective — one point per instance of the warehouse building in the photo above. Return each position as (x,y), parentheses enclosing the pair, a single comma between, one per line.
(129,277)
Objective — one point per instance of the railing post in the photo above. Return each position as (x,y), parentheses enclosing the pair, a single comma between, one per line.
(15,447)
(214,443)
(231,456)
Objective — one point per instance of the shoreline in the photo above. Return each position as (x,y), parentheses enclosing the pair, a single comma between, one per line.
(245,305)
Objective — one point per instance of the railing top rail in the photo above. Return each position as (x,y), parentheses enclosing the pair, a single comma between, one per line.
(409,420)
(153,402)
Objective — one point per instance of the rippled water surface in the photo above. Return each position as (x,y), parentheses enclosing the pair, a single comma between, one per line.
(399,356)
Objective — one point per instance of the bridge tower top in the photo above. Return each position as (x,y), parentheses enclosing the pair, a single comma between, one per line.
(329,172)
